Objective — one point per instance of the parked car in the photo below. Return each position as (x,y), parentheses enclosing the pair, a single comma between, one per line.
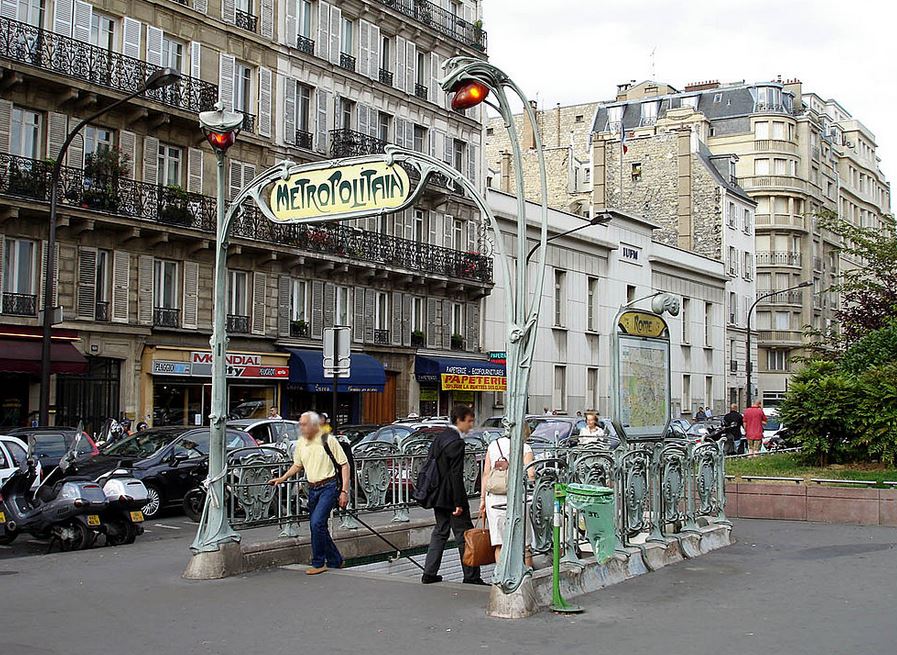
(551,431)
(13,454)
(393,434)
(49,444)
(356,432)
(268,431)
(484,436)
(680,423)
(774,432)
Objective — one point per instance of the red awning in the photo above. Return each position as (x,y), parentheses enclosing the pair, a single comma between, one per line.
(23,356)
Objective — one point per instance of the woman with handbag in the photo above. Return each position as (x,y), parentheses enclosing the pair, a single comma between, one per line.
(494,498)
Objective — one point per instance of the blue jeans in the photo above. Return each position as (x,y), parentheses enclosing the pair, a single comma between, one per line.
(321,501)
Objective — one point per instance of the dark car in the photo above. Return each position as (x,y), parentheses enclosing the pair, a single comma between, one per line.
(167,460)
(49,444)
(549,432)
(356,432)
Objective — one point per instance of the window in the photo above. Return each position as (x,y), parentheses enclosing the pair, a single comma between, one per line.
(348,46)
(25,133)
(245,6)
(748,266)
(708,391)
(381,311)
(559,397)
(649,112)
(761,167)
(304,18)
(560,301)
(615,118)
(417,225)
(383,122)
(776,360)
(341,300)
(385,54)
(708,324)
(20,267)
(422,76)
(747,220)
(733,261)
(636,172)
(630,293)
(578,118)
(96,139)
(780,166)
(238,297)
(686,394)
(170,160)
(165,284)
(761,130)
(172,53)
(102,31)
(733,307)
(346,109)
(458,155)
(592,388)
(457,318)
(242,88)
(417,314)
(457,233)
(764,321)
(420,138)
(783,320)
(31,12)
(686,321)
(778,130)
(104,276)
(299,300)
(592,305)
(303,107)
(731,217)
(690,101)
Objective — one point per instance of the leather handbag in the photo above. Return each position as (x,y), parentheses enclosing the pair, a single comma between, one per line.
(478,548)
(497,482)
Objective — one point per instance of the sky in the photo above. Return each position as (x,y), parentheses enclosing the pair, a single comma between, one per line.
(569,51)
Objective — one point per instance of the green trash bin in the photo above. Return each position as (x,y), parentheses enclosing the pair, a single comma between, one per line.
(596,505)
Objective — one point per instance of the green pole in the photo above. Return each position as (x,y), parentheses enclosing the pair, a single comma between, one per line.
(558,604)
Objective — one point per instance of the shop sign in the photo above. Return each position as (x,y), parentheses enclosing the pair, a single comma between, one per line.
(498,357)
(339,191)
(163,367)
(239,365)
(458,382)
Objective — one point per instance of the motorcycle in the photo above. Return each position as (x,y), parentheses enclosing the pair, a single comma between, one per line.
(125,496)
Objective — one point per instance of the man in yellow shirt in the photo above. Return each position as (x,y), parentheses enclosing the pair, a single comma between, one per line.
(326,487)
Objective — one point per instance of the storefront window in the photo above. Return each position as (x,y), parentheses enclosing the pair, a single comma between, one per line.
(178,404)
(250,401)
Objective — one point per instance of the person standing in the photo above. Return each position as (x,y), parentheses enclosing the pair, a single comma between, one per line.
(700,415)
(327,487)
(450,504)
(735,422)
(592,431)
(754,420)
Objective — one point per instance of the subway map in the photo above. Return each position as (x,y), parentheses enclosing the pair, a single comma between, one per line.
(643,385)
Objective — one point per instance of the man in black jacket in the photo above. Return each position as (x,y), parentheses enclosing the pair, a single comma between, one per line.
(734,421)
(451,507)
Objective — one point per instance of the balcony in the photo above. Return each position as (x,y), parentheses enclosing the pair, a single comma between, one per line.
(166,317)
(778,258)
(237,324)
(70,58)
(385,77)
(150,203)
(381,337)
(19,304)
(305,44)
(248,121)
(346,61)
(442,21)
(349,143)
(101,311)
(304,139)
(783,298)
(781,220)
(246,21)
(780,337)
(418,340)
(421,91)
(775,145)
(299,329)
(787,182)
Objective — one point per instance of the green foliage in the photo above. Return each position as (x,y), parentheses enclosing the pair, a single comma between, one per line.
(874,418)
(874,349)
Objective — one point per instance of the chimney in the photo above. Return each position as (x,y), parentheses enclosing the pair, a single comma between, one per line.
(794,87)
(529,135)
(505,172)
(684,209)
(702,86)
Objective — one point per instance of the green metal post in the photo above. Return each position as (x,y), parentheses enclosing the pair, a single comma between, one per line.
(558,604)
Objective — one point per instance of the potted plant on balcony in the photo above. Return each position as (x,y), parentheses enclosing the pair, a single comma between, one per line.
(298,328)
(418,339)
(457,342)
(29,178)
(478,34)
(103,171)
(173,205)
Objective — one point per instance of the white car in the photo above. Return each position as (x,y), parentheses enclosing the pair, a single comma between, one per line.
(13,453)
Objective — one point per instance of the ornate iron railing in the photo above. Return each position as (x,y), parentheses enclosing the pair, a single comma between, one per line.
(783,258)
(304,139)
(305,44)
(237,324)
(30,178)
(418,340)
(346,61)
(101,311)
(245,20)
(248,121)
(381,337)
(349,143)
(783,298)
(386,77)
(444,22)
(421,91)
(69,57)
(19,304)
(167,317)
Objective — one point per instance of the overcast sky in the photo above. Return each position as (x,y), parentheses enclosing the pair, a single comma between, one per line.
(571,51)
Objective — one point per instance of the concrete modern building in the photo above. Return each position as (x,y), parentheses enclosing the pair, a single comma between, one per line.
(313,80)
(590,274)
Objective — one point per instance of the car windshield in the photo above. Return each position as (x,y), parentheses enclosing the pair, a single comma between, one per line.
(50,445)
(19,456)
(548,429)
(142,444)
(772,423)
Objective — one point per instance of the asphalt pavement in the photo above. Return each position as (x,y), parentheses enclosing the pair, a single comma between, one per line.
(786,588)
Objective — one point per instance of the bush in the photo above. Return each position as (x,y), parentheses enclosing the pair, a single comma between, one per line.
(874,349)
(875,414)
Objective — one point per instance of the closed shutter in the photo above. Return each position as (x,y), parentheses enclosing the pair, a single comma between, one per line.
(86,297)
(409,135)
(191,295)
(202,6)
(398,223)
(196,59)
(400,132)
(336,25)
(194,170)
(121,285)
(370,302)
(5,121)
(153,45)
(226,65)
(400,63)
(57,128)
(229,11)
(473,326)
(410,67)
(289,108)
(407,301)
(448,222)
(321,121)
(448,149)
(83,17)
(358,315)
(364,119)
(446,324)
(473,164)
(432,327)
(63,13)
(284,291)
(435,73)
(150,160)
(259,293)
(329,304)
(322,44)
(431,142)
(375,52)
(265,93)
(145,290)
(433,228)
(471,227)
(317,309)
(131,30)
(292,29)
(9,9)
(2,259)
(74,157)
(267,18)
(234,179)
(395,336)
(127,143)
(364,48)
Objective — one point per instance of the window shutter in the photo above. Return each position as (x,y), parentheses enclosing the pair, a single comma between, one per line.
(289,108)
(131,30)
(336,24)
(364,48)
(291,30)
(448,149)
(400,132)
(229,11)
(364,121)
(194,170)
(400,63)
(127,143)
(267,18)
(448,222)
(406,319)
(323,41)
(370,300)
(374,61)
(398,224)
(191,295)
(9,9)
(202,6)
(196,59)
(431,143)
(226,80)
(248,174)
(265,92)
(432,228)
(358,315)
(234,179)
(2,259)
(395,306)
(153,45)
(446,324)
(471,235)
(83,17)
(121,284)
(259,293)
(284,291)
(329,304)
(473,163)
(317,309)
(473,326)
(435,73)
(409,224)
(63,12)
(150,160)
(409,135)
(5,122)
(432,326)
(86,297)
(145,290)
(57,128)
(321,122)
(410,67)
(75,155)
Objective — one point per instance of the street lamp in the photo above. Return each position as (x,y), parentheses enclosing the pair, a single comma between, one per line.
(221,128)
(600,219)
(802,285)
(160,78)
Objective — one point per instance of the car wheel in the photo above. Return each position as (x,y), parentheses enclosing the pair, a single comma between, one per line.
(8,537)
(153,502)
(194,502)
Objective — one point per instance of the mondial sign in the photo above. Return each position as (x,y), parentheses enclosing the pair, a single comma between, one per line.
(337,191)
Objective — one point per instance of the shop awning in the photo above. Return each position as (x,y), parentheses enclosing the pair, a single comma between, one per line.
(24,356)
(307,370)
(454,373)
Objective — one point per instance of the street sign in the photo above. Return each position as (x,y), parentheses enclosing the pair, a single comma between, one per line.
(55,319)
(337,357)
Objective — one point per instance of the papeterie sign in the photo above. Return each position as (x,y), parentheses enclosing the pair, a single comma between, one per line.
(339,191)
(457,382)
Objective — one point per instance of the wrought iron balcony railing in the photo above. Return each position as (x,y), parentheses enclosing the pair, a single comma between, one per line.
(304,139)
(385,77)
(237,324)
(457,342)
(245,20)
(346,61)
(305,44)
(421,91)
(349,143)
(444,22)
(30,178)
(167,317)
(101,311)
(381,337)
(76,59)
(782,258)
(185,3)
(19,304)
(248,121)
(418,340)
(298,329)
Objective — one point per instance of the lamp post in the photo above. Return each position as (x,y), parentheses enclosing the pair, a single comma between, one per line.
(749,368)
(160,78)
(221,128)
(600,219)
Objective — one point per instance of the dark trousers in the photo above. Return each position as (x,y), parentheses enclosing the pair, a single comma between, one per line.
(321,501)
(457,524)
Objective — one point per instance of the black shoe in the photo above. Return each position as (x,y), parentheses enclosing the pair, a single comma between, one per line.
(477,581)
(430,579)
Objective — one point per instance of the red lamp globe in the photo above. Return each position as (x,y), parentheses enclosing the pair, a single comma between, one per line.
(469,94)
(221,141)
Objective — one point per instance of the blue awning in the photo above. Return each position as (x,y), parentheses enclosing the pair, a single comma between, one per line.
(428,369)
(307,370)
